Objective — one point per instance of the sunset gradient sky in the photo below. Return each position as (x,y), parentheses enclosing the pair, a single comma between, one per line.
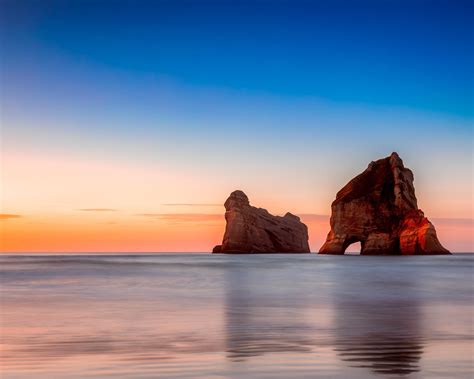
(124,127)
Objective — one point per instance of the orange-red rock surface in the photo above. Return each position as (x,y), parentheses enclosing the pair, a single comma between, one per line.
(254,230)
(378,208)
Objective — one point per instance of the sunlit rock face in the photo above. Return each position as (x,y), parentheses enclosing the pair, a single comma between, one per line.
(378,208)
(254,230)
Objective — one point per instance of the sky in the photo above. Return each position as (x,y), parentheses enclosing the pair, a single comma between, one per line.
(125,125)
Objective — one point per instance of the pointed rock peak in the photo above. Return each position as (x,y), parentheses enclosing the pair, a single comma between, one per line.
(394,155)
(237,199)
(395,160)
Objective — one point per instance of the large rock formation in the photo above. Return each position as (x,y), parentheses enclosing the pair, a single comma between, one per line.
(378,208)
(254,230)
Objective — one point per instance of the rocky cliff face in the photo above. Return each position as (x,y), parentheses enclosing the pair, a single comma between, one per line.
(254,230)
(378,208)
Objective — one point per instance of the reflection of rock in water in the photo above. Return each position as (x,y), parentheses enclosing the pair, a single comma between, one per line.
(259,323)
(377,331)
(395,356)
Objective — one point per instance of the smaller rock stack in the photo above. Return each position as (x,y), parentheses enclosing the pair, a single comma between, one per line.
(254,230)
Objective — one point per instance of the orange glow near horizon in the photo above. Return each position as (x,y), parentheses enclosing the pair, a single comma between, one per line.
(164,233)
(135,233)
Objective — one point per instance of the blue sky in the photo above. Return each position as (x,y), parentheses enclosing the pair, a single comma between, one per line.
(415,54)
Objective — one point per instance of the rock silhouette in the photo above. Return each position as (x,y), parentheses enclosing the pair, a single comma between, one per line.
(378,208)
(254,230)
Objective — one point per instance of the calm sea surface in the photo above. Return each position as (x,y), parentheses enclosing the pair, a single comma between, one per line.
(223,316)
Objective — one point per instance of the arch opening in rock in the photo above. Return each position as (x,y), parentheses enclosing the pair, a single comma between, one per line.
(354,248)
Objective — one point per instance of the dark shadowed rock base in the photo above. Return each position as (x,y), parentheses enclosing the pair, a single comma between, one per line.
(378,208)
(254,230)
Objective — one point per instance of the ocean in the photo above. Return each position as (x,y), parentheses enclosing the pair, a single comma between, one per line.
(236,316)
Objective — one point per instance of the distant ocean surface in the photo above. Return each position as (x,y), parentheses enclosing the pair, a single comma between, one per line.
(244,316)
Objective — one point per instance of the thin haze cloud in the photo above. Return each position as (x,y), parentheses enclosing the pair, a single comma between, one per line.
(8,216)
(98,210)
(192,205)
(184,217)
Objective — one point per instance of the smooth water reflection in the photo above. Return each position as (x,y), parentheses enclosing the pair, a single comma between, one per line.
(258,322)
(194,316)
(385,336)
